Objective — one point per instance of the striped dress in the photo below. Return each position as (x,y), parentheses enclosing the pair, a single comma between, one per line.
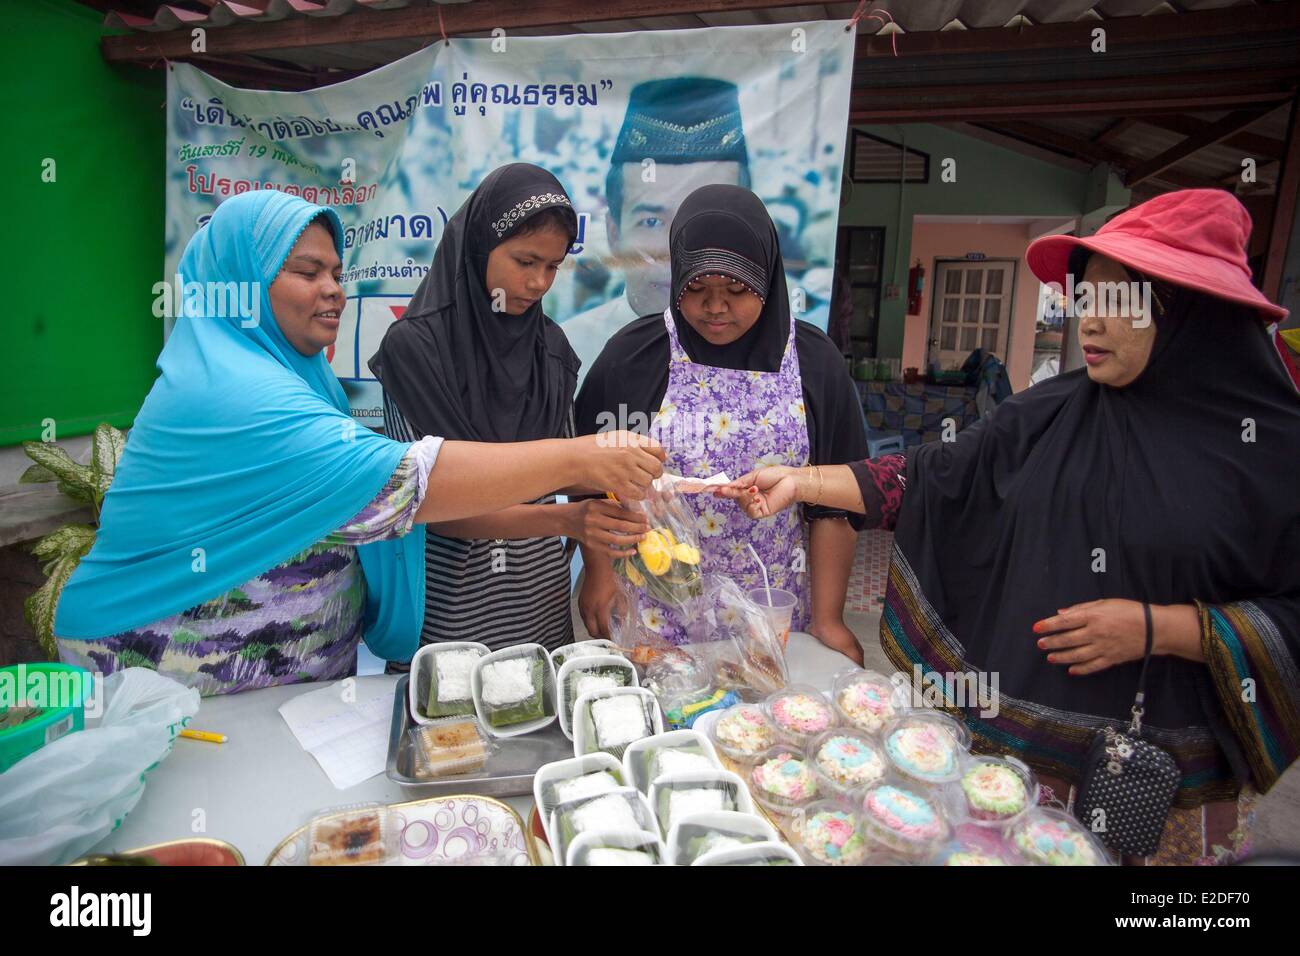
(498,592)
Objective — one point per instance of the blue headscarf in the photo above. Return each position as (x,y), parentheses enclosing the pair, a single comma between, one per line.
(244,448)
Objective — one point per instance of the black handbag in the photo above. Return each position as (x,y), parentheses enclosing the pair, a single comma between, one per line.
(1128,783)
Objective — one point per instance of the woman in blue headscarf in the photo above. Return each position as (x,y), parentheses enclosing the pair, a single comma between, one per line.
(253,534)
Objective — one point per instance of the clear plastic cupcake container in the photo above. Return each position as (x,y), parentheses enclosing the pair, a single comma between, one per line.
(972,845)
(671,752)
(926,747)
(360,834)
(830,833)
(497,681)
(616,848)
(701,833)
(423,681)
(753,854)
(564,781)
(903,819)
(742,733)
(619,811)
(993,791)
(676,797)
(799,713)
(867,700)
(449,747)
(846,760)
(610,720)
(781,780)
(577,675)
(597,646)
(1046,837)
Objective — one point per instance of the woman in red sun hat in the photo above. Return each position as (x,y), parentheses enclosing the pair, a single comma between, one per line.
(1160,475)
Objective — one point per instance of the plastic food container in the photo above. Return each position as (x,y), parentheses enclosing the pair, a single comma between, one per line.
(676,797)
(672,752)
(994,791)
(975,846)
(755,854)
(355,835)
(514,690)
(799,713)
(867,700)
(26,729)
(782,781)
(902,819)
(1045,837)
(926,747)
(742,733)
(830,833)
(701,833)
(600,848)
(578,778)
(596,647)
(624,811)
(610,720)
(422,690)
(846,760)
(589,672)
(451,746)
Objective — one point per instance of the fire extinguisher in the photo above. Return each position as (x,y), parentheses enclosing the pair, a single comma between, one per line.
(915,286)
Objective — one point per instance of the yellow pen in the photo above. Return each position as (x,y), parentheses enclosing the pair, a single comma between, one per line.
(204,735)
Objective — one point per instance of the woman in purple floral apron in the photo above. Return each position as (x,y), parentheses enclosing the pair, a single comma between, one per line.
(728,381)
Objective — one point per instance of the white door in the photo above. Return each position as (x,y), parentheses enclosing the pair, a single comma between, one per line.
(970,309)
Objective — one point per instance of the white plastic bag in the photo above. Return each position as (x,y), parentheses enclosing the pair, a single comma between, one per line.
(60,801)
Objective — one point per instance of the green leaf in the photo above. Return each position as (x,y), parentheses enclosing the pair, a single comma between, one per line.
(36,473)
(77,492)
(106,450)
(71,539)
(40,607)
(56,460)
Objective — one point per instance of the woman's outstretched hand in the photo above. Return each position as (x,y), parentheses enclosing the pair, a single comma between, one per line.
(763,492)
(620,462)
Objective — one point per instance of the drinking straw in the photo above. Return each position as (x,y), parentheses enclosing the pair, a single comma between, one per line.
(762,567)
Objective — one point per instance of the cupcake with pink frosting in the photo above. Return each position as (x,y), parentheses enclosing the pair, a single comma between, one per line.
(902,820)
(865,700)
(799,714)
(782,781)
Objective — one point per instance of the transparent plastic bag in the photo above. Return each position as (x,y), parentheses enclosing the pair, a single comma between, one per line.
(60,801)
(736,637)
(666,565)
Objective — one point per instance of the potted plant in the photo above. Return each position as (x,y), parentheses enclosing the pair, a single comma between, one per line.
(62,549)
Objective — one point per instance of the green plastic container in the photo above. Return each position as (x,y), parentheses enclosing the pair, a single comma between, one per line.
(42,684)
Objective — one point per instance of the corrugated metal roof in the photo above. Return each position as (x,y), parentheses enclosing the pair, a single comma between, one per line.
(912,16)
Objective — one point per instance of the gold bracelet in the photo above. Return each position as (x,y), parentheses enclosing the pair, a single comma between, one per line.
(821,485)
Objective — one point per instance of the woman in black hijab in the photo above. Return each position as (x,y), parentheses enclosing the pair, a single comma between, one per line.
(1161,474)
(727,380)
(475,358)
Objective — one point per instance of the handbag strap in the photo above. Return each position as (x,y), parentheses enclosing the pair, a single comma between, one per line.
(1140,700)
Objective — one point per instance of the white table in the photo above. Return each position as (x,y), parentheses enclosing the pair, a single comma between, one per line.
(260,786)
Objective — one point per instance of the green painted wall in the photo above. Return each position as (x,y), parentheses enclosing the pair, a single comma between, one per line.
(990,181)
(81,253)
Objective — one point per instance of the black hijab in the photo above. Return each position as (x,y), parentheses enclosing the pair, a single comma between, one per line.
(456,368)
(725,230)
(1003,526)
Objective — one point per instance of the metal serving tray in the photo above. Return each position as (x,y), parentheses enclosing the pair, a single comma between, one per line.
(507,773)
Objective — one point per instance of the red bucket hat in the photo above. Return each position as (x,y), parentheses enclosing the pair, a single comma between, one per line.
(1193,237)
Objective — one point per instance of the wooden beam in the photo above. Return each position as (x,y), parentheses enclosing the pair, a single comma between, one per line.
(1115,130)
(1288,193)
(1253,143)
(363,26)
(1213,133)
(921,112)
(1045,136)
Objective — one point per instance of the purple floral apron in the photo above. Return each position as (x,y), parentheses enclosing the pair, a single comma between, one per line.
(734,421)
